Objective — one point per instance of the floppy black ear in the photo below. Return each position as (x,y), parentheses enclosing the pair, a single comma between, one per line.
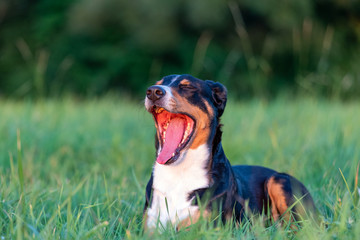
(219,94)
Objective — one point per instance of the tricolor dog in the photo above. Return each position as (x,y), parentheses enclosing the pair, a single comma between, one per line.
(191,164)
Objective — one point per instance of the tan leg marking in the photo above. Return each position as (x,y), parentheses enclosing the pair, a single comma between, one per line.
(192,219)
(278,199)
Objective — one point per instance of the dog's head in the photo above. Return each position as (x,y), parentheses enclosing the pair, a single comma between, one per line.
(186,112)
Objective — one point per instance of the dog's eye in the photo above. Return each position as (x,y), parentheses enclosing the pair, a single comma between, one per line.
(186,86)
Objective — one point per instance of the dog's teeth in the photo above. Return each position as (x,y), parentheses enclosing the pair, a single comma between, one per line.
(188,127)
(159,110)
(186,134)
(163,135)
(173,155)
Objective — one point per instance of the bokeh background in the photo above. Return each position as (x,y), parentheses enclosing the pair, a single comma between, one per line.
(256,48)
(77,145)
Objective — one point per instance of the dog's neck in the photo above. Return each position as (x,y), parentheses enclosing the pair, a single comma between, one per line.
(218,156)
(216,146)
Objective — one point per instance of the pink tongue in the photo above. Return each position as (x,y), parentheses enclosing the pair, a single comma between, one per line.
(174,135)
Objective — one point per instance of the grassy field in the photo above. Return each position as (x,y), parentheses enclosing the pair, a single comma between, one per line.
(78,169)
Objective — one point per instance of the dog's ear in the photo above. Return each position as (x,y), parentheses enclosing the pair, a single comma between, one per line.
(219,95)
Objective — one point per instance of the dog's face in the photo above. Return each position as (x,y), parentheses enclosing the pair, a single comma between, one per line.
(186,111)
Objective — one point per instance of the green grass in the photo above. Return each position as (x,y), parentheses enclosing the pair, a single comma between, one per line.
(82,166)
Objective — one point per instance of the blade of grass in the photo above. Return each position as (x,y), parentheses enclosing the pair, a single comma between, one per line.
(347,187)
(12,167)
(20,166)
(94,230)
(19,219)
(52,218)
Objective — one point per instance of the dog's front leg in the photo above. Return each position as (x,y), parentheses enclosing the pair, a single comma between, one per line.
(193,218)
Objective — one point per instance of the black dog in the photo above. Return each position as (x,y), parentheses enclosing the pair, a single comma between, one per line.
(191,164)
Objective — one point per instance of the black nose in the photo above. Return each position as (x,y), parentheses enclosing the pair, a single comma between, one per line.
(155,93)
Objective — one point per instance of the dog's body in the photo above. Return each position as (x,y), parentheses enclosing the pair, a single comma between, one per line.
(191,164)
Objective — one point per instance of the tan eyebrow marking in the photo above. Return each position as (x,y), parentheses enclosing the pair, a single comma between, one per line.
(185,82)
(159,82)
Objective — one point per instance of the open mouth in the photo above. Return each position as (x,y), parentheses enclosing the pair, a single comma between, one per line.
(174,132)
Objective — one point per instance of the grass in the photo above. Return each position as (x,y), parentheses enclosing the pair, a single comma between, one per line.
(78,169)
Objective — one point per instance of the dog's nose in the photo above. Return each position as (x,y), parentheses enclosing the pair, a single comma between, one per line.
(155,93)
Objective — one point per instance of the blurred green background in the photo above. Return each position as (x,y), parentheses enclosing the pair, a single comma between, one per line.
(73,169)
(256,48)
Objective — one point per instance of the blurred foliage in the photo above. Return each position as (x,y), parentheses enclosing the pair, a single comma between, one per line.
(256,48)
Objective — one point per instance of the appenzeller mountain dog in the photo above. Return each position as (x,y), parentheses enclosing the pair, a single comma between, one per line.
(191,164)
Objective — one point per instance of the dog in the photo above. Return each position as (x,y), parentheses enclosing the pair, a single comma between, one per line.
(191,166)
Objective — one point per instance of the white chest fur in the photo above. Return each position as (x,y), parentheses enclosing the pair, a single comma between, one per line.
(172,185)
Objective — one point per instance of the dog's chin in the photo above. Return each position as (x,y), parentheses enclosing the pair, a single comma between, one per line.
(174,133)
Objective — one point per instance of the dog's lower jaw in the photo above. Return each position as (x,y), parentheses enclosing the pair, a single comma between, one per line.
(172,185)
